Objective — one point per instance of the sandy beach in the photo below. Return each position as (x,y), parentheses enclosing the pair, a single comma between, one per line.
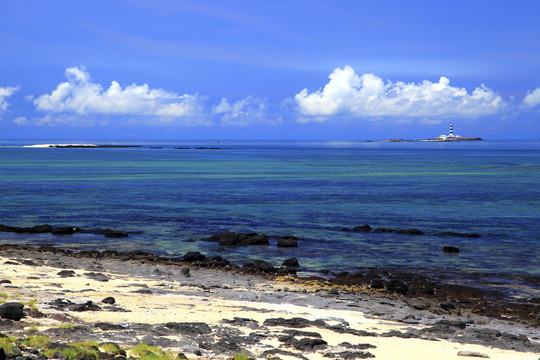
(210,313)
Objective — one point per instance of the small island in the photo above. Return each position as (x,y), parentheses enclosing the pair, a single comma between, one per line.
(62,146)
(446,138)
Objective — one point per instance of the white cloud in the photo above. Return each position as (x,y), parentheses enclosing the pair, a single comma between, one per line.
(369,96)
(79,95)
(248,111)
(21,120)
(532,99)
(6,92)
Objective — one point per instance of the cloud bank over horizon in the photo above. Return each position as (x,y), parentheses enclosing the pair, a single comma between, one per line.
(82,102)
(367,95)
(79,95)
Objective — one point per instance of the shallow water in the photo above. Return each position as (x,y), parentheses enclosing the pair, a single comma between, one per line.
(312,190)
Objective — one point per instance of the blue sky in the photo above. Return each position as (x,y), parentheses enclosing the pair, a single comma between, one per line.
(352,70)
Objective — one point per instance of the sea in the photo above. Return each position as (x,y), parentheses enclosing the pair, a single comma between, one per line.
(169,195)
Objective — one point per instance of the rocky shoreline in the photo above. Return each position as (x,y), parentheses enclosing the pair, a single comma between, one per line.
(205,307)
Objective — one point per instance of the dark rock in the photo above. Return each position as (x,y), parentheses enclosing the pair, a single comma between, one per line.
(350,355)
(364,228)
(451,323)
(226,344)
(245,322)
(12,311)
(310,344)
(193,256)
(2,354)
(450,249)
(294,333)
(288,242)
(216,261)
(411,232)
(190,329)
(348,345)
(295,322)
(87,306)
(259,266)
(40,229)
(65,230)
(66,273)
(377,284)
(97,276)
(5,281)
(143,291)
(398,286)
(451,233)
(28,262)
(233,239)
(273,352)
(65,304)
(109,300)
(77,333)
(472,354)
(384,230)
(107,326)
(112,233)
(447,305)
(291,262)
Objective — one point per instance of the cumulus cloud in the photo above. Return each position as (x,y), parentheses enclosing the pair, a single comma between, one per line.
(368,95)
(532,99)
(6,92)
(79,95)
(21,120)
(248,111)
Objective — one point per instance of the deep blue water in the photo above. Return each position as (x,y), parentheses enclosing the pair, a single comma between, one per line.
(311,189)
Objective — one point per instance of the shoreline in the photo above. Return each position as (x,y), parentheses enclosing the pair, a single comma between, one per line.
(241,307)
(504,287)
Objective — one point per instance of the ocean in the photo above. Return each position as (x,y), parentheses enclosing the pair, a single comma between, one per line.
(167,193)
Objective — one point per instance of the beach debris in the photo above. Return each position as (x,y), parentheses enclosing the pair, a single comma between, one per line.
(12,311)
(65,304)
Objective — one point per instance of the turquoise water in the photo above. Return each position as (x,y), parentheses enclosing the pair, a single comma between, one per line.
(312,190)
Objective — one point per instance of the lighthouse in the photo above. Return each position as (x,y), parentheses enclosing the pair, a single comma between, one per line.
(451,131)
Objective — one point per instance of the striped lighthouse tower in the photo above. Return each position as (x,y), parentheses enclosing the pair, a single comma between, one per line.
(451,130)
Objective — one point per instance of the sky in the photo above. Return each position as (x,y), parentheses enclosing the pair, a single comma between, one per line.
(269,70)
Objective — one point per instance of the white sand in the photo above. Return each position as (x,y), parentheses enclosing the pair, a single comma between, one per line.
(190,303)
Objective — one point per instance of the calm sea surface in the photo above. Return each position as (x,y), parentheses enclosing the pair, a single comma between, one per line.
(164,196)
